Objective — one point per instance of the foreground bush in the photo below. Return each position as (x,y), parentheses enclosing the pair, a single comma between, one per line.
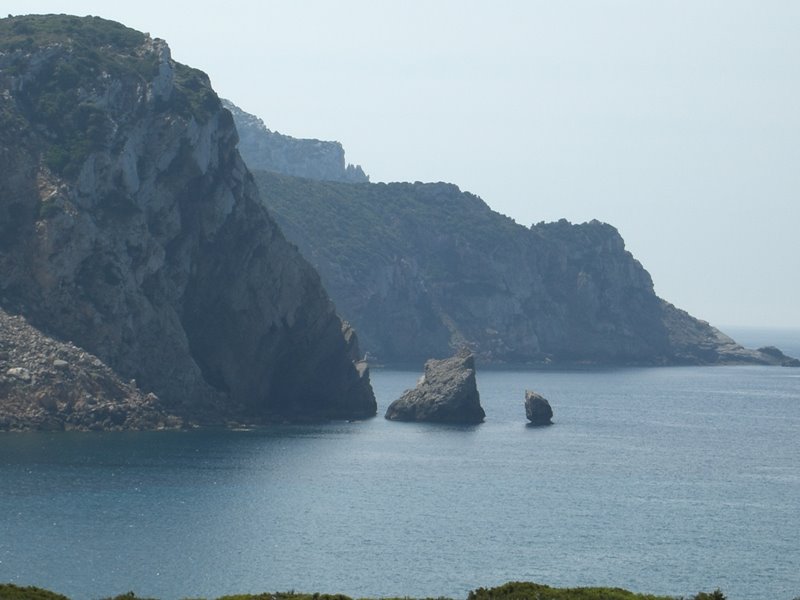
(535,591)
(14,592)
(509,591)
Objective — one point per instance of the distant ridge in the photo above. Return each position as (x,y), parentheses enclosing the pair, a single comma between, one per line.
(268,150)
(422,269)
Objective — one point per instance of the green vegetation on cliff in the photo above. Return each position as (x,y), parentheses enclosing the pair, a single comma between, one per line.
(63,92)
(57,94)
(368,224)
(422,269)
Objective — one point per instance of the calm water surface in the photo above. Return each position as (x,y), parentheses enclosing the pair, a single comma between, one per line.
(662,480)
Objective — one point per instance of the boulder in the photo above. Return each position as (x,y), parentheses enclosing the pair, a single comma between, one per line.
(20,373)
(537,409)
(446,393)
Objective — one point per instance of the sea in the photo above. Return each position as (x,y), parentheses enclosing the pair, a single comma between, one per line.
(659,480)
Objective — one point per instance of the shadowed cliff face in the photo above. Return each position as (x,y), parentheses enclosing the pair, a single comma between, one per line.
(423,269)
(130,226)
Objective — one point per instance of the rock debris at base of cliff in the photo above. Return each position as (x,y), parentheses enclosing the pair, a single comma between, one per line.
(50,385)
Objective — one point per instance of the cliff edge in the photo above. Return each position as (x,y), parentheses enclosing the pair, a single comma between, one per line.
(269,150)
(131,228)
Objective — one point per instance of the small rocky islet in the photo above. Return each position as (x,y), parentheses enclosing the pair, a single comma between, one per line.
(538,409)
(447,392)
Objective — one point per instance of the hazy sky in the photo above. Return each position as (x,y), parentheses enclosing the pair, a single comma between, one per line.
(676,121)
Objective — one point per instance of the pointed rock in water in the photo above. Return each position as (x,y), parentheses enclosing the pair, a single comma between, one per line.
(446,393)
(537,409)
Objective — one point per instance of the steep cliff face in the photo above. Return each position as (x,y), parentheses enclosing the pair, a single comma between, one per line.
(268,150)
(423,269)
(130,226)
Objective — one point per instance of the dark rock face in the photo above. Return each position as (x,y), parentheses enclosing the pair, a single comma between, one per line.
(446,393)
(131,227)
(537,409)
(267,150)
(422,269)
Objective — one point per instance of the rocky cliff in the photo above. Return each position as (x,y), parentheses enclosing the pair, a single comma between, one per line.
(131,228)
(423,269)
(268,150)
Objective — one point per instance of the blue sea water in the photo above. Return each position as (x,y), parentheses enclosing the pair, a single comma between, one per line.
(669,481)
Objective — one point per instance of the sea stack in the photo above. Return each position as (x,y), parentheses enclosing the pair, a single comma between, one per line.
(446,393)
(537,409)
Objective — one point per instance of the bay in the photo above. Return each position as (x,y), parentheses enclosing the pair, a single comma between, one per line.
(669,480)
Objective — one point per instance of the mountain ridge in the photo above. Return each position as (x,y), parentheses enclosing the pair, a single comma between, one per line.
(422,269)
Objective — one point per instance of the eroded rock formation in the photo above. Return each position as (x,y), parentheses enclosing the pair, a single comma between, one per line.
(537,409)
(446,393)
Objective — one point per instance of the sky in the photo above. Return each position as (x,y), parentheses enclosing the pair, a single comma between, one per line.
(678,122)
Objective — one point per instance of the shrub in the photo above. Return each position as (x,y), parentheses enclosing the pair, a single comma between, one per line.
(9,591)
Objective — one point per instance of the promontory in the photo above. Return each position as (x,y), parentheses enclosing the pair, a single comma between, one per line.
(131,229)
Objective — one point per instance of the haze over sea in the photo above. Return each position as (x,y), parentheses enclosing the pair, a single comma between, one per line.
(669,480)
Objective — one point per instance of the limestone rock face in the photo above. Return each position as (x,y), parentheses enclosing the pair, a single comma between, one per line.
(537,409)
(131,227)
(268,150)
(446,393)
